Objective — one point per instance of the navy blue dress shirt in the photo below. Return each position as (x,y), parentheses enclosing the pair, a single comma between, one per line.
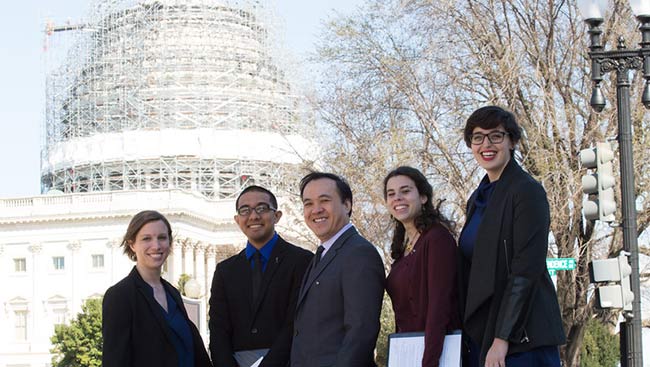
(181,334)
(265,251)
(467,239)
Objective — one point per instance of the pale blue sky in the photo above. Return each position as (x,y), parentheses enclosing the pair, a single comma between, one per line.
(22,75)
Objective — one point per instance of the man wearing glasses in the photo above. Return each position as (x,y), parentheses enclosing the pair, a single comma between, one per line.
(253,295)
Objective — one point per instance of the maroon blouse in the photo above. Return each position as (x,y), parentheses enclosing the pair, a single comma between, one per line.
(422,287)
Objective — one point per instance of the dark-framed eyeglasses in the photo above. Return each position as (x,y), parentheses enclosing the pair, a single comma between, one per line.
(495,137)
(246,210)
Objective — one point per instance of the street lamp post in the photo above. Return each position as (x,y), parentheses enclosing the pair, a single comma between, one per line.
(622,60)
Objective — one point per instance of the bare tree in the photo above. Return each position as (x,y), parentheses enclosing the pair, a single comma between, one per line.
(399,78)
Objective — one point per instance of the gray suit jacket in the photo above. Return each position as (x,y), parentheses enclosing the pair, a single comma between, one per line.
(337,315)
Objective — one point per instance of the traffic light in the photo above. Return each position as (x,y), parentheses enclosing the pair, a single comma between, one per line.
(599,184)
(616,272)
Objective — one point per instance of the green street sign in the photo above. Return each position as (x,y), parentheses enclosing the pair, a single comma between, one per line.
(560,263)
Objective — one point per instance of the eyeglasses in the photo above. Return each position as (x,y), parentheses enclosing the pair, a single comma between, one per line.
(246,210)
(495,137)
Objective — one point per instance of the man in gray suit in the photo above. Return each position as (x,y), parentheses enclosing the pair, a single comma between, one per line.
(339,302)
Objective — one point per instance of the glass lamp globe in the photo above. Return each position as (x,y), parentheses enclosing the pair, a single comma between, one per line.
(640,7)
(192,289)
(593,9)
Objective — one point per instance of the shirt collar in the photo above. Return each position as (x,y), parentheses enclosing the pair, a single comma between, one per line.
(327,244)
(265,250)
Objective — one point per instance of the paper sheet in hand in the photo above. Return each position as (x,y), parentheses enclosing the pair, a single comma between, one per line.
(407,349)
(250,358)
(257,363)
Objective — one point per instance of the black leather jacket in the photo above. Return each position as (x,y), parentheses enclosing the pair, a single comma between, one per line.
(506,291)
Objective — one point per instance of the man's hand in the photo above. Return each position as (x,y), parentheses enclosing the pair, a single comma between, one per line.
(496,356)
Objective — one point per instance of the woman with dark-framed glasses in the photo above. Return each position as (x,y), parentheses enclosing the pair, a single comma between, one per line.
(508,302)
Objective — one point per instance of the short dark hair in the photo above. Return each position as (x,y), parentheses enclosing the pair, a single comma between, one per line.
(342,186)
(255,188)
(429,215)
(137,222)
(490,117)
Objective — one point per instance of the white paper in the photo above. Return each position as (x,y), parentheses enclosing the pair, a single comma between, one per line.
(450,356)
(250,358)
(257,363)
(406,350)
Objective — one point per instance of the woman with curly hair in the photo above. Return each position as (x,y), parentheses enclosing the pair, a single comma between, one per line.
(422,281)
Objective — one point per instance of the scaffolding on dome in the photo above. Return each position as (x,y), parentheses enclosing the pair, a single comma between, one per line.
(168,65)
(212,178)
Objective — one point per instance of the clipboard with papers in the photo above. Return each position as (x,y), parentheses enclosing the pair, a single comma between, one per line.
(407,349)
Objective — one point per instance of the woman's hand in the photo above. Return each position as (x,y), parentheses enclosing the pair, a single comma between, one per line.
(496,356)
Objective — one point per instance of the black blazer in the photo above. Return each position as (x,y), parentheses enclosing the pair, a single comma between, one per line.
(506,291)
(135,331)
(337,315)
(236,323)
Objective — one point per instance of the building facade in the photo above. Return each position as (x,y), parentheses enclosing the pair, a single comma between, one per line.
(59,250)
(170,105)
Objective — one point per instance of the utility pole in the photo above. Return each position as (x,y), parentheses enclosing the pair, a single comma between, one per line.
(623,60)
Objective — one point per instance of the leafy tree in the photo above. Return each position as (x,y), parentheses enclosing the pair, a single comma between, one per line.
(600,346)
(387,319)
(399,78)
(80,343)
(181,283)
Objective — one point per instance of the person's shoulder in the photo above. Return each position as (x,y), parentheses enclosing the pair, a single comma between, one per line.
(437,231)
(438,238)
(527,186)
(230,261)
(120,288)
(520,183)
(295,256)
(359,253)
(361,246)
(228,268)
(296,250)
(358,241)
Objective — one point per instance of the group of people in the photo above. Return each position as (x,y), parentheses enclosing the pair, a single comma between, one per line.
(293,308)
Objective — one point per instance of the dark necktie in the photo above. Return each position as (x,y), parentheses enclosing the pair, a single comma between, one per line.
(319,254)
(257,273)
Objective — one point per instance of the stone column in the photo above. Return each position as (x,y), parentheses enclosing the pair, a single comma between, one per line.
(175,261)
(36,313)
(199,266)
(210,266)
(114,253)
(188,257)
(75,275)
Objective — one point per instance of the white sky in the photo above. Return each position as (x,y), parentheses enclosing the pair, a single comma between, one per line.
(22,75)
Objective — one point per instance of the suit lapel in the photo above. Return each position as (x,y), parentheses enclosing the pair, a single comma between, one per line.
(246,272)
(484,259)
(312,273)
(277,255)
(145,290)
(305,278)
(173,293)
